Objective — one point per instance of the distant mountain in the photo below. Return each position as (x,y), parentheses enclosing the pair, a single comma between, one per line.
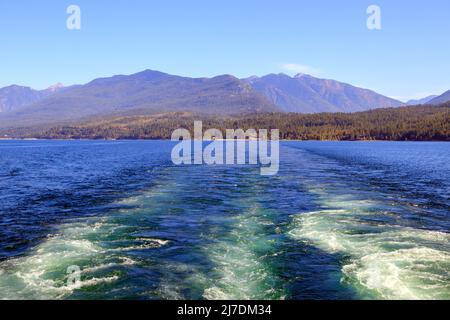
(441,99)
(152,92)
(421,101)
(147,92)
(55,88)
(14,97)
(307,94)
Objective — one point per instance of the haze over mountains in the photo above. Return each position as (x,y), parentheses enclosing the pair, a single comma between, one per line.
(152,92)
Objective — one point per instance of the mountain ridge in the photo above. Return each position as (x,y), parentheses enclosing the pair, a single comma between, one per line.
(145,92)
(424,100)
(443,98)
(14,97)
(152,92)
(307,94)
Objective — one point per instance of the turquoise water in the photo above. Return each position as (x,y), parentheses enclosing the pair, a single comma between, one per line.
(340,221)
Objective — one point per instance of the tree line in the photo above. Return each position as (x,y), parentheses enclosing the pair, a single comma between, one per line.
(415,123)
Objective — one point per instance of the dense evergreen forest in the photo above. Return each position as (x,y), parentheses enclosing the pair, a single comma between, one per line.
(419,123)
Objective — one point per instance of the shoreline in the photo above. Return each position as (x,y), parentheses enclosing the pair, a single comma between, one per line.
(222,140)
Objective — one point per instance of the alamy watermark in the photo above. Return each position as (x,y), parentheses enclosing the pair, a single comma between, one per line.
(374,19)
(74,276)
(74,20)
(261,150)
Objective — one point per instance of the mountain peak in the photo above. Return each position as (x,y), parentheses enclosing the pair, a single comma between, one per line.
(251,78)
(301,75)
(275,75)
(55,87)
(150,71)
(225,77)
(151,75)
(15,87)
(144,93)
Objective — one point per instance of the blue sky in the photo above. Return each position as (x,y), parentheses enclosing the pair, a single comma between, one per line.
(408,58)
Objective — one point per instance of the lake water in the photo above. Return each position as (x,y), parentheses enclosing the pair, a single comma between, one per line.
(341,220)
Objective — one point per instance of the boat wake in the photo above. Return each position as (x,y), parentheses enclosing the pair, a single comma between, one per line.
(381,260)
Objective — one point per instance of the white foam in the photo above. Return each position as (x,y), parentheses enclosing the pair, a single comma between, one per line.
(418,273)
(390,262)
(215,293)
(125,262)
(161,242)
(242,273)
(43,272)
(91,282)
(94,244)
(147,244)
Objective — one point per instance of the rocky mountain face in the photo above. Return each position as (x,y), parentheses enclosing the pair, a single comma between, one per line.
(15,97)
(307,94)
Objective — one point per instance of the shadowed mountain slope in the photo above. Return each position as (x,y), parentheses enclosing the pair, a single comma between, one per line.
(146,92)
(307,94)
(441,99)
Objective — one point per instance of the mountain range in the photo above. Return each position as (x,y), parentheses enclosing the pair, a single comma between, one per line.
(147,92)
(14,97)
(153,92)
(425,100)
(306,94)
(441,99)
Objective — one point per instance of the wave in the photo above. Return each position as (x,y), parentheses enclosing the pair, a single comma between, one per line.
(380,260)
(86,244)
(240,271)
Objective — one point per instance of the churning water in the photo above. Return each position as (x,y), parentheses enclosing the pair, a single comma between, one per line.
(341,220)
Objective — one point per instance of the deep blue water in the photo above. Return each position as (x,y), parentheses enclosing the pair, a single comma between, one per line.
(341,220)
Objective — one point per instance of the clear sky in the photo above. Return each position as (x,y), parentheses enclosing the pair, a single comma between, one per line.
(408,58)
